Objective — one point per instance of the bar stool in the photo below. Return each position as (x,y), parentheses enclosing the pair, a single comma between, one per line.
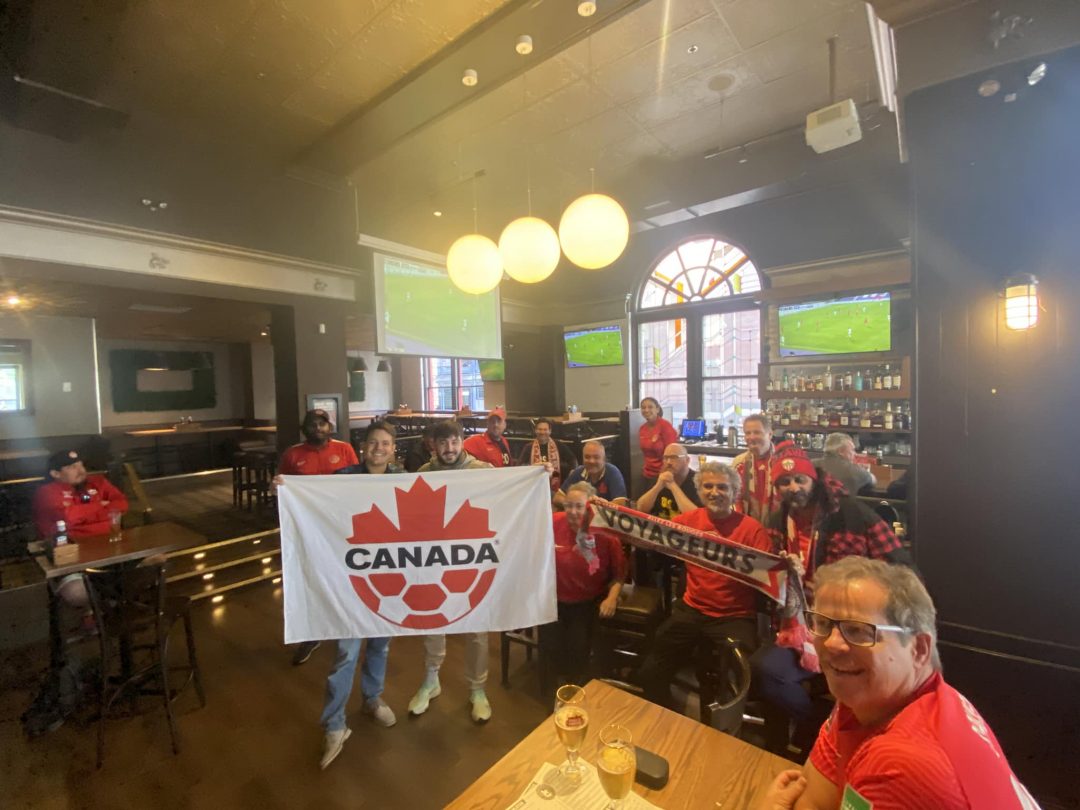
(622,640)
(529,638)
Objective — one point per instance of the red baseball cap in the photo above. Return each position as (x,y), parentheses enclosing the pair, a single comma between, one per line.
(500,412)
(791,460)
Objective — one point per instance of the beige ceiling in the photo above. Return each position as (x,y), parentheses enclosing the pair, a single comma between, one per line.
(663,83)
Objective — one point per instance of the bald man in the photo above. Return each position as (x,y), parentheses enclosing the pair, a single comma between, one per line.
(675,491)
(605,478)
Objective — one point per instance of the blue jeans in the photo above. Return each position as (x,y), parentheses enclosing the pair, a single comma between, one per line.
(340,681)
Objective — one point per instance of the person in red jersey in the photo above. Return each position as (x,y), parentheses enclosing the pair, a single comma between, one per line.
(319,454)
(653,436)
(491,446)
(759,499)
(714,607)
(589,571)
(84,502)
(899,738)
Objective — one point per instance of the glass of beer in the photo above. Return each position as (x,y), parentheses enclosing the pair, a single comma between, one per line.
(616,763)
(571,723)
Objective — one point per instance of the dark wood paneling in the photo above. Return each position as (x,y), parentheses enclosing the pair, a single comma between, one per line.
(996,190)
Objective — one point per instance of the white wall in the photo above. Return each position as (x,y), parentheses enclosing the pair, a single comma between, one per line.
(264,404)
(378,386)
(228,384)
(61,351)
(604,388)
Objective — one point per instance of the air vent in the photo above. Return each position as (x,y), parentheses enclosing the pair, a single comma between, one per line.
(159,308)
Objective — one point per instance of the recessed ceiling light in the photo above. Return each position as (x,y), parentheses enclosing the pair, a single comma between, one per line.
(1010,97)
(692,49)
(1038,74)
(437,213)
(524,45)
(989,88)
(470,78)
(586,8)
(14,300)
(264,333)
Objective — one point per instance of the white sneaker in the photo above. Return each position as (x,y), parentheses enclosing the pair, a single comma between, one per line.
(333,742)
(380,712)
(481,708)
(423,697)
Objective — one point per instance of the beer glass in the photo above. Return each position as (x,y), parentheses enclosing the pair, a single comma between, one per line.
(571,723)
(616,763)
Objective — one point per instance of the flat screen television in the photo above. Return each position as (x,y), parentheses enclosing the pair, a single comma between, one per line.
(492,370)
(596,346)
(856,324)
(419,311)
(692,429)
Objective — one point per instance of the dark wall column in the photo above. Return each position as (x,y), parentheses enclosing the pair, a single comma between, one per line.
(309,358)
(996,191)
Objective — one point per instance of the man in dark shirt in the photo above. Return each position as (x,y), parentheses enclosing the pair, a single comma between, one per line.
(605,478)
(675,490)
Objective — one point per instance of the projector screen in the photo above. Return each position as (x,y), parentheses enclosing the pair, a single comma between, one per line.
(420,312)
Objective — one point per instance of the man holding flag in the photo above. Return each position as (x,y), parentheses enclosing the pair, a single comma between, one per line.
(715,606)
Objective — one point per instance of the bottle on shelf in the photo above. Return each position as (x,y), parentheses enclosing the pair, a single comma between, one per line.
(889,421)
(828,378)
(785,385)
(859,382)
(876,377)
(849,380)
(845,415)
(864,418)
(896,379)
(886,380)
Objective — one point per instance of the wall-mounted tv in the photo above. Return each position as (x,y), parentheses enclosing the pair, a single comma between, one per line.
(596,346)
(419,311)
(492,370)
(859,323)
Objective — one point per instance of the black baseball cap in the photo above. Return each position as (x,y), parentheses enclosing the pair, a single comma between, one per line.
(316,413)
(63,458)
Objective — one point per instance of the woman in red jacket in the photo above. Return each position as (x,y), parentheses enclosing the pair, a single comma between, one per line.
(589,569)
(656,434)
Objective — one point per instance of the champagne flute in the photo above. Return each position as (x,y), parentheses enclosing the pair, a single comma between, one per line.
(616,763)
(571,723)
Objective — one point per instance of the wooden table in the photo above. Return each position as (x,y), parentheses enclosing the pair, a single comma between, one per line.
(158,433)
(708,769)
(97,551)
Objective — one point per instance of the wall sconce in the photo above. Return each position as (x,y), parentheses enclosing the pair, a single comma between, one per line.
(383,366)
(359,364)
(1021,301)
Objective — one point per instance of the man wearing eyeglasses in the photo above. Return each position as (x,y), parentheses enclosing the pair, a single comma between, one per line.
(675,490)
(899,738)
(818,523)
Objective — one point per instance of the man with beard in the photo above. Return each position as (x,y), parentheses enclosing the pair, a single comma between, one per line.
(675,491)
(715,607)
(899,738)
(755,471)
(491,446)
(545,450)
(318,455)
(818,523)
(450,455)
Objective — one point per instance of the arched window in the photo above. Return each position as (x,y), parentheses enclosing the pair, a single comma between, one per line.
(698,335)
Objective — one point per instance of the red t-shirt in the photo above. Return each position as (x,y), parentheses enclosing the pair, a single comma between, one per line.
(574,581)
(306,459)
(712,593)
(483,447)
(55,501)
(902,764)
(653,439)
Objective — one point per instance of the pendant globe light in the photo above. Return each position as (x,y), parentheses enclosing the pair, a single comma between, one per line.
(593,231)
(473,262)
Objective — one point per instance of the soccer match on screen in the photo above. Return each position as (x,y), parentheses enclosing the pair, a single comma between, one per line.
(601,346)
(844,326)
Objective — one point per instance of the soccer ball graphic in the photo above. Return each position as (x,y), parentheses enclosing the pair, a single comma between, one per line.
(423,574)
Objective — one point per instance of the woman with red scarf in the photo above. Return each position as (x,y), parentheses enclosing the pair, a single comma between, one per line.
(589,569)
(653,436)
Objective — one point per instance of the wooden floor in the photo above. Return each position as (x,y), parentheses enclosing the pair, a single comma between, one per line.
(257,743)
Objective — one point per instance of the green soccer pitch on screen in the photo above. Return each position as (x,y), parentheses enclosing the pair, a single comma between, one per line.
(599,346)
(860,323)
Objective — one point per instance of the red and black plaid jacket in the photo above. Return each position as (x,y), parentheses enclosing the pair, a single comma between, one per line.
(844,526)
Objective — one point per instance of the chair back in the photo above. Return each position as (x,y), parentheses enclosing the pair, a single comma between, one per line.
(127,601)
(724,678)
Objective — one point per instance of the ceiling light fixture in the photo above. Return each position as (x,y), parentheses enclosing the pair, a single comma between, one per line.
(14,300)
(436,213)
(586,8)
(989,88)
(1037,75)
(470,78)
(154,205)
(524,45)
(692,49)
(383,366)
(473,262)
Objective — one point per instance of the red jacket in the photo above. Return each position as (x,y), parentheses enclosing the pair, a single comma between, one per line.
(85,510)
(483,447)
(574,582)
(306,459)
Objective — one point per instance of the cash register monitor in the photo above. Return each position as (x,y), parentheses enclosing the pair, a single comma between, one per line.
(692,430)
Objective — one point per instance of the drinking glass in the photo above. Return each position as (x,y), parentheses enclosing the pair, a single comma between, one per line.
(116,527)
(616,763)
(571,723)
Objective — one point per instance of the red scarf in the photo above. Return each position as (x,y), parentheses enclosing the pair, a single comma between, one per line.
(553,457)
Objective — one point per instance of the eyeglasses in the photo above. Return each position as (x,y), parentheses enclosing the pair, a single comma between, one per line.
(674,458)
(855,633)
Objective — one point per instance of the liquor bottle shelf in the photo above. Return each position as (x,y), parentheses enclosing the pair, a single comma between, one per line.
(808,428)
(902,393)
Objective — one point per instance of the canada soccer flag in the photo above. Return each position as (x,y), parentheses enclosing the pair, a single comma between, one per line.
(444,552)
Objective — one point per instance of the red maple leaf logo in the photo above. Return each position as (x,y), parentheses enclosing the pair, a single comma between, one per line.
(420,518)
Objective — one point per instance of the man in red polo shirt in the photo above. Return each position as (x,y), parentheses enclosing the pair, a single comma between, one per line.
(715,607)
(899,738)
(318,455)
(491,446)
